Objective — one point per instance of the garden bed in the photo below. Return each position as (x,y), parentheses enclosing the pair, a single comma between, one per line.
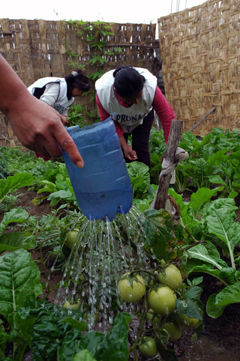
(219,339)
(38,210)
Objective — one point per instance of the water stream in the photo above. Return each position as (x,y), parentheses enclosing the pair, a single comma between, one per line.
(103,251)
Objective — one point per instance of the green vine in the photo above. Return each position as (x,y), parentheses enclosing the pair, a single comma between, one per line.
(96,35)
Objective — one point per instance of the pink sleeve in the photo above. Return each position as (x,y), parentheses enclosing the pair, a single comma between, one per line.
(104,115)
(164,112)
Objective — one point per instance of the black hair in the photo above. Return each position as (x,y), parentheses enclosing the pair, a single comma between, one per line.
(128,81)
(76,80)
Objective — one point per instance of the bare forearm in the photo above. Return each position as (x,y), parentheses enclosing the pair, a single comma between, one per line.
(12,89)
(37,125)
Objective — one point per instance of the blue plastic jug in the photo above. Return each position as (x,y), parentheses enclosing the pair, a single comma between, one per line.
(102,187)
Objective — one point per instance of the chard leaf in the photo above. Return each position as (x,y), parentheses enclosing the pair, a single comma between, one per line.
(15,215)
(229,295)
(19,282)
(221,222)
(202,196)
(140,178)
(198,267)
(212,309)
(216,179)
(218,301)
(201,253)
(11,241)
(12,183)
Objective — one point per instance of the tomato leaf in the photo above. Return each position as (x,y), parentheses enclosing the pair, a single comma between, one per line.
(114,342)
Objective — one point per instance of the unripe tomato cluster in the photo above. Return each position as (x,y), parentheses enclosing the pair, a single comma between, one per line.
(161,300)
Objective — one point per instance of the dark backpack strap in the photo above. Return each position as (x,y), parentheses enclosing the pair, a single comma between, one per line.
(38,92)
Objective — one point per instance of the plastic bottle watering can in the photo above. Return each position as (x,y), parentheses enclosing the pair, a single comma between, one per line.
(102,187)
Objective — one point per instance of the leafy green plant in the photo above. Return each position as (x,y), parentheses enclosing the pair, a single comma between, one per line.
(214,238)
(75,115)
(157,148)
(19,287)
(218,257)
(12,240)
(213,161)
(56,334)
(12,183)
(96,35)
(3,165)
(60,189)
(143,191)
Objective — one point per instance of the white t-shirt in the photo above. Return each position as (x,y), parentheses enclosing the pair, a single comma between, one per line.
(128,117)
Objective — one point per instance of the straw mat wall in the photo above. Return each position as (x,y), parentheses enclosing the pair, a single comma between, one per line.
(200,51)
(39,48)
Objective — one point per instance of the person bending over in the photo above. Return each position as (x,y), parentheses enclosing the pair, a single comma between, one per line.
(130,95)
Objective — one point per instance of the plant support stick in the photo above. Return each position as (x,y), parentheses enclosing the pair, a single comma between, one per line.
(166,173)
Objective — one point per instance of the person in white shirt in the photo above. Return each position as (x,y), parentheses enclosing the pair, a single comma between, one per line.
(60,93)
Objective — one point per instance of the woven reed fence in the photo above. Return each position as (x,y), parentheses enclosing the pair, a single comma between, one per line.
(200,52)
(38,48)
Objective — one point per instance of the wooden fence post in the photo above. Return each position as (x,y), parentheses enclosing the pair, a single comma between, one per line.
(166,173)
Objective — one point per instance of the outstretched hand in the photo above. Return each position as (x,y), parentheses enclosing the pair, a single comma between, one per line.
(38,126)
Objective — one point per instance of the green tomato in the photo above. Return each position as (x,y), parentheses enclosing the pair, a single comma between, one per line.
(71,239)
(74,306)
(162,300)
(187,321)
(153,317)
(171,276)
(173,330)
(150,314)
(131,288)
(148,347)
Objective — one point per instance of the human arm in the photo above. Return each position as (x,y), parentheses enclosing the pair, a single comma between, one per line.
(128,152)
(37,125)
(164,112)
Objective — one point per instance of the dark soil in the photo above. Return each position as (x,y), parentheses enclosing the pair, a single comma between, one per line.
(219,339)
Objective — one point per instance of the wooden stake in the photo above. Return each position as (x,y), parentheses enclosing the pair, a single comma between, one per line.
(165,175)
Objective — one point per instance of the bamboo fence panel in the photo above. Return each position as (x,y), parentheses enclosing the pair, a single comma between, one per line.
(200,52)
